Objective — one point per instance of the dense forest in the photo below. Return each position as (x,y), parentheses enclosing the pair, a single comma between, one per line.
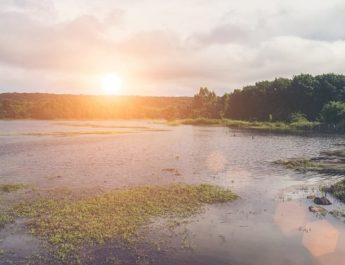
(314,98)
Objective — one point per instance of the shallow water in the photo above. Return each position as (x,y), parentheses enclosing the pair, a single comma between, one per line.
(269,224)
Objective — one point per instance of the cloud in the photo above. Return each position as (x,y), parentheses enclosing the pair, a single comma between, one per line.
(224,34)
(65,46)
(327,25)
(321,24)
(324,24)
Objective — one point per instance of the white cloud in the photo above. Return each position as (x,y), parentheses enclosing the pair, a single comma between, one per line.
(166,47)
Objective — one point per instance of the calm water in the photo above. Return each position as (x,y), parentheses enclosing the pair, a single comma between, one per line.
(269,224)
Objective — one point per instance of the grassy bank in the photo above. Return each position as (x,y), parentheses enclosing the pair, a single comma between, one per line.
(268,126)
(69,223)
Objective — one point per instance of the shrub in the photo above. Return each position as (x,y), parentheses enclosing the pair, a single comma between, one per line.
(333,112)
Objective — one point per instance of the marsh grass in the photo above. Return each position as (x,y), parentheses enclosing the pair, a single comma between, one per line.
(269,126)
(68,224)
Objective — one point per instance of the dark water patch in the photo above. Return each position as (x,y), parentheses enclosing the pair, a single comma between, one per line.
(17,243)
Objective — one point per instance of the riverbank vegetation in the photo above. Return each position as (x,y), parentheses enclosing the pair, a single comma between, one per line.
(254,125)
(302,103)
(68,223)
(305,102)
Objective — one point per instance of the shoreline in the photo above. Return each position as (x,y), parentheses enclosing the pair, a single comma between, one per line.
(263,126)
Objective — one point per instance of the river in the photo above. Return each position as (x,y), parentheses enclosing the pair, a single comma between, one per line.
(268,225)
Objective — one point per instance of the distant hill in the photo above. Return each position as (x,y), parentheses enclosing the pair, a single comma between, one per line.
(54,106)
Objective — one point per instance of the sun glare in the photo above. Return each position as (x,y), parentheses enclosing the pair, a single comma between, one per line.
(111,84)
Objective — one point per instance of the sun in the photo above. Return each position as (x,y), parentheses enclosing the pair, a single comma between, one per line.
(111,84)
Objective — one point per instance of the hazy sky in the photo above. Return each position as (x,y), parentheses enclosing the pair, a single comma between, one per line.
(162,47)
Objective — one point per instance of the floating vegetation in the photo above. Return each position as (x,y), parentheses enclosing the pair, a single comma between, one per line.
(11,187)
(68,224)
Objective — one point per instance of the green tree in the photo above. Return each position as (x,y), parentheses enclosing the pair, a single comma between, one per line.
(206,104)
(333,112)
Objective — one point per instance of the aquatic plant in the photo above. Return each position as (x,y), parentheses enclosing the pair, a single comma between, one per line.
(68,224)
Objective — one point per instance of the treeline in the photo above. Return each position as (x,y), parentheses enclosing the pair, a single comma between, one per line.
(52,106)
(304,97)
(314,98)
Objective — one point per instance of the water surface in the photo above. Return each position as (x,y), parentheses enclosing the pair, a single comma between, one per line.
(269,224)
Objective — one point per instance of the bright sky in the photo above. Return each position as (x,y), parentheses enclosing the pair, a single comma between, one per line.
(165,47)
